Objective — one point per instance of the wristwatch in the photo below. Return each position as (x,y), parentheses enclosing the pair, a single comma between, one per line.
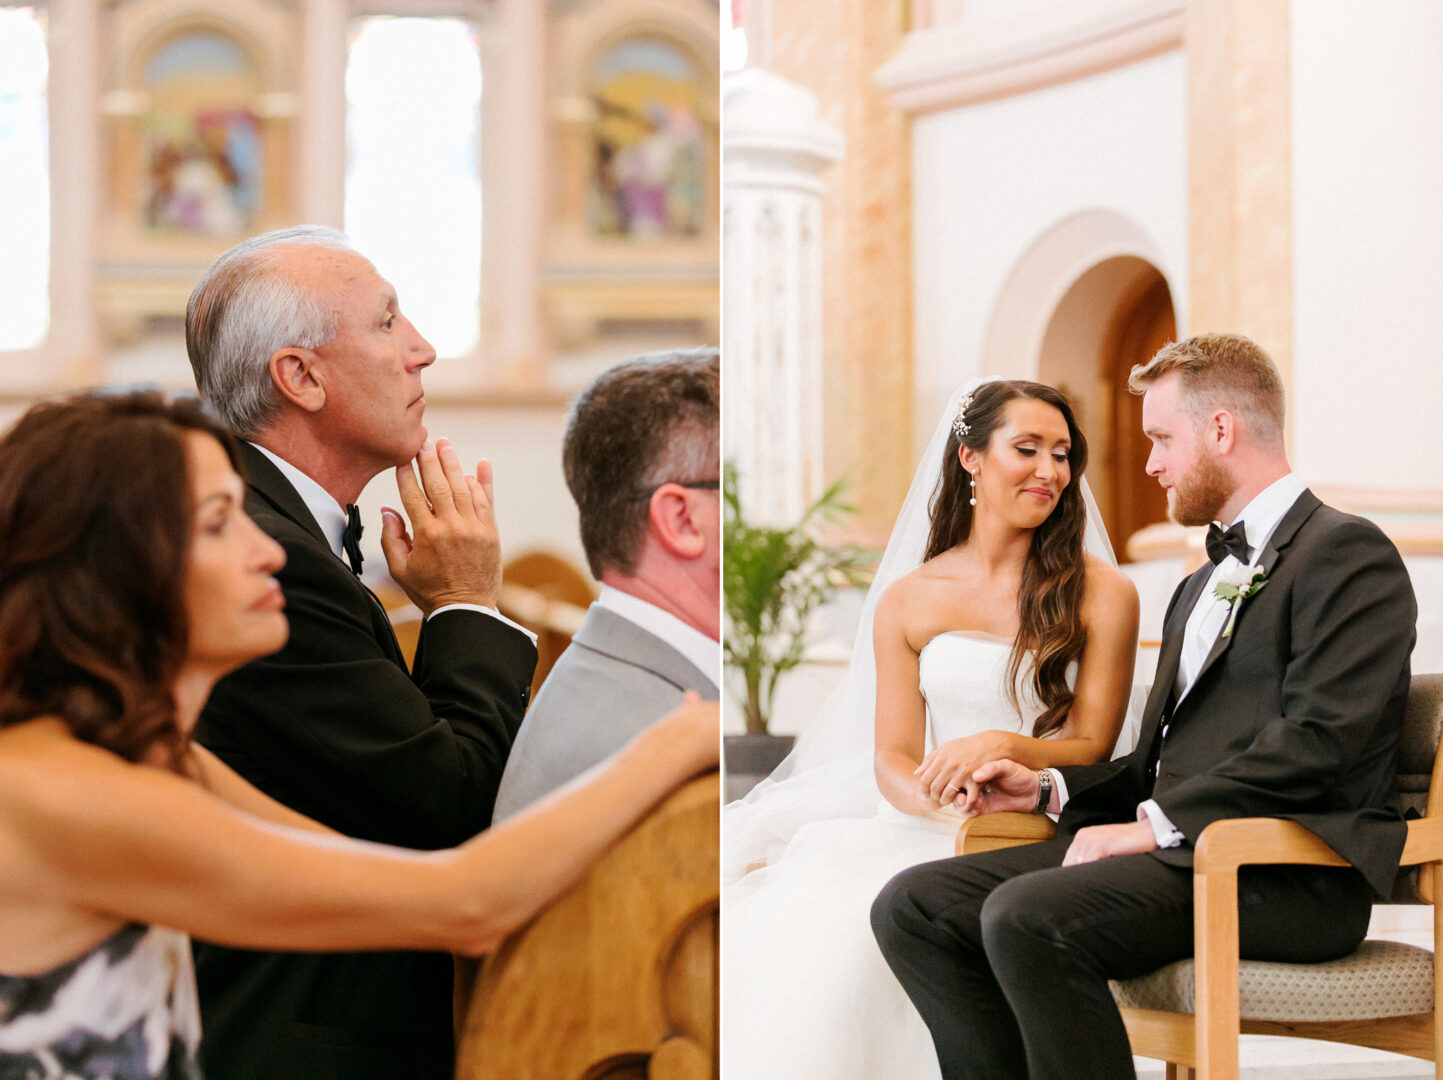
(1044,791)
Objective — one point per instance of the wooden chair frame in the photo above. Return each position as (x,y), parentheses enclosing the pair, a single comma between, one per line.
(1204,1046)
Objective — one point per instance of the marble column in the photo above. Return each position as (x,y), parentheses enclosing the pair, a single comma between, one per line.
(835,49)
(774,152)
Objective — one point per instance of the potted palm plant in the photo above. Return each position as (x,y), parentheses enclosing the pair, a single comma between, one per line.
(773,580)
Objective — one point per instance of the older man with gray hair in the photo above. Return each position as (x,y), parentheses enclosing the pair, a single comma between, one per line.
(301,347)
(642,460)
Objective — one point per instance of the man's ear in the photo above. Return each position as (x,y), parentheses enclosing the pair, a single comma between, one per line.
(669,520)
(295,373)
(1221,431)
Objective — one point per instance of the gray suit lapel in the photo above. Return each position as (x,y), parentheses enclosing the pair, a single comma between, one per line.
(623,641)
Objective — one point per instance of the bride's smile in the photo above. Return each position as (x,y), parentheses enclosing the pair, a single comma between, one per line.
(1025,466)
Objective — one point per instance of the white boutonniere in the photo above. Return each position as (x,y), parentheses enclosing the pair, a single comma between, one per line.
(1236,584)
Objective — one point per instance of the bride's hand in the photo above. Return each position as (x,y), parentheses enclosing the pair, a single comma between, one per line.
(944,773)
(998,786)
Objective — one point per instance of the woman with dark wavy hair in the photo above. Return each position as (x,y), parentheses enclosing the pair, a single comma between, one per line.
(131,580)
(997,627)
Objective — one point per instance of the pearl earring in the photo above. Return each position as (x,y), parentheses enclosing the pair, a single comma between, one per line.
(975,477)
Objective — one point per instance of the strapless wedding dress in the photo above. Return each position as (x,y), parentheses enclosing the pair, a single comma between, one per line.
(806,994)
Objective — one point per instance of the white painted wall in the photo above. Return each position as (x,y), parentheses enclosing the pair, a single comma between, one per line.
(990,179)
(1367,241)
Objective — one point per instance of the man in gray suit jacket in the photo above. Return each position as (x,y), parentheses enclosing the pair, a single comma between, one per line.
(642,461)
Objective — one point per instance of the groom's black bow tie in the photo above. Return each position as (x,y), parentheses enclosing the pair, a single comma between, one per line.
(1224,542)
(351,538)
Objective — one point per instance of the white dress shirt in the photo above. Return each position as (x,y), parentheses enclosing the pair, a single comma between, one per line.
(330,515)
(703,652)
(1206,620)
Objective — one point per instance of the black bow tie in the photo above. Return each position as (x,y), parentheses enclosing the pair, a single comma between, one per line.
(1224,542)
(351,538)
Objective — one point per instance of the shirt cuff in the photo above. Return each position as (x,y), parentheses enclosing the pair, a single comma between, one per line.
(1059,785)
(485,611)
(1163,831)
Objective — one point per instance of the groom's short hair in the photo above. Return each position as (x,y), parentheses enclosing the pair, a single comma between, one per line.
(647,421)
(1221,371)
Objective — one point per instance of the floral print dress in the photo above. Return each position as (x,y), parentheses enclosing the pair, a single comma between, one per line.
(123,1010)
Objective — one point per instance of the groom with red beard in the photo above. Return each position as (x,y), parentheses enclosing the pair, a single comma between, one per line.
(1279,692)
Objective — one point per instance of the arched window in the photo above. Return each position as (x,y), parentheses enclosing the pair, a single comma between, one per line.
(24,179)
(413,186)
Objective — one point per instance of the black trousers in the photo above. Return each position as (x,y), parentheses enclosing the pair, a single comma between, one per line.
(1007,954)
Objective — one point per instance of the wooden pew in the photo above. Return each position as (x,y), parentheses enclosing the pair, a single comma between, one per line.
(618,979)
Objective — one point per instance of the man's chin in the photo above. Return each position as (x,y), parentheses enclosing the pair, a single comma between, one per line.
(417,439)
(1190,512)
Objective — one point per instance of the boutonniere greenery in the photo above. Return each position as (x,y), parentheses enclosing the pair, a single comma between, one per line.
(1238,583)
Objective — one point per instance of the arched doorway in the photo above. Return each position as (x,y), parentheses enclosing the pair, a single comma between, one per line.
(1117,314)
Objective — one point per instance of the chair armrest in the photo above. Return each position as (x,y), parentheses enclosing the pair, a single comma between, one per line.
(992,831)
(1233,842)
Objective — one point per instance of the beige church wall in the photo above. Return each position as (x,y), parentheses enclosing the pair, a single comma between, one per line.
(1016,198)
(1367,241)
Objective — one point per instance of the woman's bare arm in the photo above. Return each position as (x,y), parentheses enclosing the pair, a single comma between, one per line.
(81,829)
(1101,692)
(900,724)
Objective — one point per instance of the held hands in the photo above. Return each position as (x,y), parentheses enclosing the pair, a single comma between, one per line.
(1001,785)
(944,773)
(454,554)
(1104,841)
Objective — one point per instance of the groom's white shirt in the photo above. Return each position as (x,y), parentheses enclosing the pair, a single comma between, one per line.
(1205,622)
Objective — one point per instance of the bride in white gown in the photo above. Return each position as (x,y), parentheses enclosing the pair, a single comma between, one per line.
(938,685)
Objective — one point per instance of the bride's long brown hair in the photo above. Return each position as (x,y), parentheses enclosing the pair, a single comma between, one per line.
(1049,599)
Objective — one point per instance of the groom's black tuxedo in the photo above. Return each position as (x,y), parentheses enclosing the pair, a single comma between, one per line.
(1296,714)
(334,726)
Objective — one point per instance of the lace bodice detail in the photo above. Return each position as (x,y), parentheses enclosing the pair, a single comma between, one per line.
(962,675)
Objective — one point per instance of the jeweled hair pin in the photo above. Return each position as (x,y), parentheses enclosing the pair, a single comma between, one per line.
(959,425)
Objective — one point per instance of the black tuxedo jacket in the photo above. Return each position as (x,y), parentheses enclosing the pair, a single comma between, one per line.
(334,726)
(1297,714)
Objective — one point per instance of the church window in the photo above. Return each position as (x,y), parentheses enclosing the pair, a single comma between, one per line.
(24,179)
(413,181)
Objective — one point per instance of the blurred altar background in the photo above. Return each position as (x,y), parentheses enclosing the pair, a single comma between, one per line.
(538,178)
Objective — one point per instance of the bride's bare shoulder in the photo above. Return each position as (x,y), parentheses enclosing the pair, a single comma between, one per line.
(908,589)
(1108,593)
